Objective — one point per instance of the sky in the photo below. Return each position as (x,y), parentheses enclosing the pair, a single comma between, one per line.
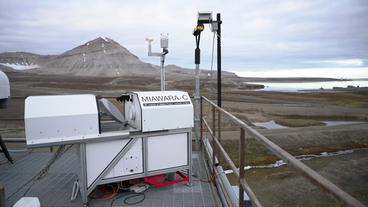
(267,38)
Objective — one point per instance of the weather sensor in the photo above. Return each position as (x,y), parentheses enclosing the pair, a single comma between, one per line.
(204,17)
(164,45)
(4,90)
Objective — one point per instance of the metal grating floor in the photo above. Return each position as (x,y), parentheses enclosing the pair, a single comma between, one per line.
(55,188)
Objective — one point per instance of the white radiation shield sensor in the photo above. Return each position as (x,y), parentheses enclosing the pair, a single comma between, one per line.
(164,40)
(111,110)
(4,90)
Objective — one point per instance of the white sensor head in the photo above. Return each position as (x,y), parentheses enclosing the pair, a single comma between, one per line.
(164,40)
(204,17)
(149,40)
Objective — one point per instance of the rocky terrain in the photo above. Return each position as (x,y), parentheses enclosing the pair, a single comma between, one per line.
(101,57)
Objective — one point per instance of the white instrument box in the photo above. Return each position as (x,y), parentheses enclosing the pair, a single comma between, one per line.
(159,110)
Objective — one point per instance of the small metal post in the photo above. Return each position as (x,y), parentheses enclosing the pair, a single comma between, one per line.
(241,166)
(163,73)
(213,140)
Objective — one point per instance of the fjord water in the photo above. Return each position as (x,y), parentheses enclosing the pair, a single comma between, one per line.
(296,86)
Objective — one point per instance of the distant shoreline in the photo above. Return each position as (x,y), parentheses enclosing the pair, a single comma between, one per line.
(338,89)
(298,84)
(291,79)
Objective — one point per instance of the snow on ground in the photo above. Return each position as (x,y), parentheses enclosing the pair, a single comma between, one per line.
(17,66)
(280,163)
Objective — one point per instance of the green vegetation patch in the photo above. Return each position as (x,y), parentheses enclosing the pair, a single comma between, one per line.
(290,122)
(325,117)
(305,121)
(257,154)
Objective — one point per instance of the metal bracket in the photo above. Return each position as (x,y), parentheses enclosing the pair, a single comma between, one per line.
(75,190)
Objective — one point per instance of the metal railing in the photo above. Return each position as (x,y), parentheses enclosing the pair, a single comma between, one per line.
(218,150)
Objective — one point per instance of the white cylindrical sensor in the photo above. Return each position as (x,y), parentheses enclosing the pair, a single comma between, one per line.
(164,41)
(4,86)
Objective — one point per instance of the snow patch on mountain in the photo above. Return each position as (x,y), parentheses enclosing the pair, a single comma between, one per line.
(18,66)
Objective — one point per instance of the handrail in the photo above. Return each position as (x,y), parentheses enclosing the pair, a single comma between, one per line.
(307,171)
(233,166)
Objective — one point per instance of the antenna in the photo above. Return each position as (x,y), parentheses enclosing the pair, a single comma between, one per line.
(164,41)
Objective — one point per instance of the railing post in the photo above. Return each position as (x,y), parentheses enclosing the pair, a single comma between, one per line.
(213,140)
(241,166)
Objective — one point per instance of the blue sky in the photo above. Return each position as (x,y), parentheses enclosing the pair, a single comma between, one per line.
(259,38)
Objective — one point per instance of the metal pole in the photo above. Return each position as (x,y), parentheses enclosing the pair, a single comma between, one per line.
(162,73)
(219,98)
(201,124)
(219,131)
(197,104)
(213,141)
(197,95)
(219,89)
(241,166)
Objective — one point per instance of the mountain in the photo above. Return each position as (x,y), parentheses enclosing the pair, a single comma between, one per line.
(174,69)
(22,60)
(99,57)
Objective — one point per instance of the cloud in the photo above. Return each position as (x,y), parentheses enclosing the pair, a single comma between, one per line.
(262,34)
(345,63)
(309,72)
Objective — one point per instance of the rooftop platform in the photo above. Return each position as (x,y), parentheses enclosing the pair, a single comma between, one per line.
(55,188)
